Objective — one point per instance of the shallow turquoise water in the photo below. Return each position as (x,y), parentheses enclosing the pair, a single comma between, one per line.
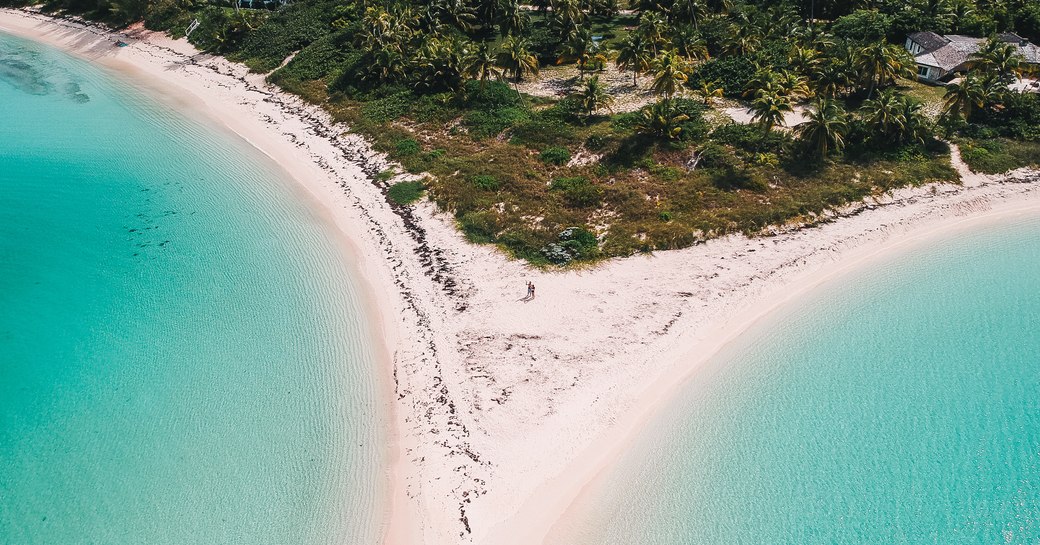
(183,356)
(900,404)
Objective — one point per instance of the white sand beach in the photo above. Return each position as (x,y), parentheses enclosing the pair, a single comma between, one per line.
(506,410)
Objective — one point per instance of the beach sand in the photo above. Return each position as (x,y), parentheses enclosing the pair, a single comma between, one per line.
(505,410)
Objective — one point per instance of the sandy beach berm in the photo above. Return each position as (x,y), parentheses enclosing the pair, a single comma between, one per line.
(504,411)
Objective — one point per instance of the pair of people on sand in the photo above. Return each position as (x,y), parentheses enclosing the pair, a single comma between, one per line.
(530,291)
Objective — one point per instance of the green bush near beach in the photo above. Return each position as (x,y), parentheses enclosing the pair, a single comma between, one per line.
(405,193)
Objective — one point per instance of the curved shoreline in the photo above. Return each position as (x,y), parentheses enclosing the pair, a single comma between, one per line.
(669,389)
(504,412)
(86,41)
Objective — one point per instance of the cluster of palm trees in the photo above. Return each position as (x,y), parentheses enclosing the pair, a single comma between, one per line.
(407,45)
(889,119)
(994,66)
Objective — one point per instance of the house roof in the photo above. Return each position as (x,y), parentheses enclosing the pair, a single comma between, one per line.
(954,51)
(930,41)
(949,56)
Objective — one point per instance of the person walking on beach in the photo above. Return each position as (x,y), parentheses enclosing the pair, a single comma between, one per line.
(530,292)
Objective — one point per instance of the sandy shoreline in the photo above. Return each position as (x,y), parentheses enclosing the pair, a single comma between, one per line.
(505,411)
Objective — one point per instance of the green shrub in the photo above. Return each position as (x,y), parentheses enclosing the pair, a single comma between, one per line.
(749,137)
(406,147)
(573,243)
(734,178)
(595,142)
(405,192)
(289,29)
(479,227)
(555,156)
(732,73)
(488,123)
(318,60)
(541,130)
(485,181)
(577,192)
(387,108)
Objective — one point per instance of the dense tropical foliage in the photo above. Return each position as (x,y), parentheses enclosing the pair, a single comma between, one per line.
(440,85)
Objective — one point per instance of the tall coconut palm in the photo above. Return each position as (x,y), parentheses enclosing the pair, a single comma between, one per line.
(963,97)
(688,42)
(833,79)
(671,72)
(915,126)
(880,64)
(742,39)
(516,59)
(481,64)
(583,50)
(513,18)
(825,128)
(689,11)
(566,18)
(769,108)
(634,55)
(883,114)
(999,59)
(652,28)
(594,96)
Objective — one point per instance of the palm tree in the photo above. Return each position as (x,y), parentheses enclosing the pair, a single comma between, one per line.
(825,128)
(438,64)
(481,64)
(804,59)
(962,97)
(1000,59)
(743,39)
(880,64)
(584,51)
(884,113)
(833,79)
(661,120)
(513,18)
(689,43)
(794,84)
(594,96)
(708,90)
(516,59)
(670,73)
(451,12)
(634,55)
(567,17)
(652,28)
(689,11)
(915,127)
(769,108)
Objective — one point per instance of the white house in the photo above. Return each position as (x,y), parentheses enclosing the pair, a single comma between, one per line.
(938,57)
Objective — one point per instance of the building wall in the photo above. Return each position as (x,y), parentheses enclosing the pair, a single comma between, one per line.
(913,47)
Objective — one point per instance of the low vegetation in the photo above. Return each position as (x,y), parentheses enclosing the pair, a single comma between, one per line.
(558,180)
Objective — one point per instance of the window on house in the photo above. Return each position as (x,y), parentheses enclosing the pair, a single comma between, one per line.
(922,71)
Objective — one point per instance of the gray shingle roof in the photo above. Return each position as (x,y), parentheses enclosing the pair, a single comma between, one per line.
(955,49)
(930,41)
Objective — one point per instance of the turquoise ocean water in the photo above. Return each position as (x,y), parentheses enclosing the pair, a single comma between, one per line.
(183,355)
(897,405)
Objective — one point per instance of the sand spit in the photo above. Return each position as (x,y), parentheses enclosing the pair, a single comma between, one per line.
(504,410)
